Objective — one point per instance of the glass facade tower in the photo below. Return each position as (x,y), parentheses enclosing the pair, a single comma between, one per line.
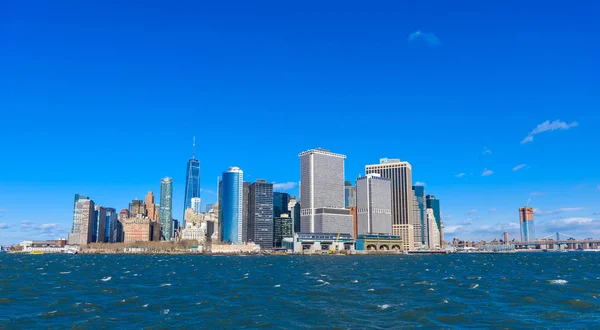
(231,205)
(419,193)
(260,214)
(280,204)
(165,213)
(192,181)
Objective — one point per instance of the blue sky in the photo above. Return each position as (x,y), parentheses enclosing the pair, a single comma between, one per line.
(103,98)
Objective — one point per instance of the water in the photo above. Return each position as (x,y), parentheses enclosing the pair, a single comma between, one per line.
(545,290)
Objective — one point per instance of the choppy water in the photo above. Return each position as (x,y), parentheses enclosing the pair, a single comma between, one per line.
(454,291)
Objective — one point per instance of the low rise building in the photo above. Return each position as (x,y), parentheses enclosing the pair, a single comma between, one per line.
(378,242)
(321,242)
(140,229)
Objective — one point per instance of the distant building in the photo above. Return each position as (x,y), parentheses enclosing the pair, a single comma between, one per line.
(320,242)
(260,214)
(83,221)
(137,208)
(378,242)
(282,228)
(245,210)
(322,193)
(417,226)
(123,215)
(195,227)
(354,214)
(374,204)
(527,224)
(400,174)
(208,207)
(506,242)
(140,229)
(434,232)
(231,205)
(151,207)
(99,225)
(110,235)
(192,181)
(434,204)
(349,194)
(296,217)
(165,213)
(196,205)
(420,212)
(280,203)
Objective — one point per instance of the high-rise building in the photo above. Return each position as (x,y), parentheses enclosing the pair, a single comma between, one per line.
(83,219)
(349,194)
(417,226)
(282,228)
(420,211)
(110,234)
(400,174)
(297,217)
(322,193)
(434,204)
(137,208)
(196,205)
(527,224)
(99,225)
(434,233)
(123,215)
(165,213)
(245,210)
(151,207)
(192,180)
(374,204)
(506,242)
(231,205)
(260,214)
(280,203)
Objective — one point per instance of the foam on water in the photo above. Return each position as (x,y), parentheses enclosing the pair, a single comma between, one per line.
(277,286)
(558,282)
(383,307)
(165,284)
(106,279)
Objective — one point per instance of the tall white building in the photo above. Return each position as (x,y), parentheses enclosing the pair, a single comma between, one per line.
(374,204)
(417,227)
(322,193)
(197,205)
(400,173)
(434,232)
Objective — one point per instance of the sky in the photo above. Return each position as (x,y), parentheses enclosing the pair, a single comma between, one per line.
(494,104)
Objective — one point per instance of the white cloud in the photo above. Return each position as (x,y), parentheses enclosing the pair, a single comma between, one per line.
(284,185)
(46,228)
(460,175)
(548,126)
(493,210)
(487,172)
(427,38)
(519,167)
(487,151)
(539,212)
(3,225)
(473,211)
(573,223)
(452,229)
(419,183)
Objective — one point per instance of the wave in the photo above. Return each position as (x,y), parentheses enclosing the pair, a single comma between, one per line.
(559,282)
(106,279)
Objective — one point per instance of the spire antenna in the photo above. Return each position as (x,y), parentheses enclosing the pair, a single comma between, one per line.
(194,148)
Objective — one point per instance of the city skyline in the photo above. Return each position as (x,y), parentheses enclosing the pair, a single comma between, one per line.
(488,113)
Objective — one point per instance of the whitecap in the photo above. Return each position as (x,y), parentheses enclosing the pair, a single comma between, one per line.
(431,289)
(384,307)
(127,272)
(277,286)
(165,311)
(355,281)
(40,268)
(306,273)
(65,272)
(246,274)
(474,286)
(559,282)
(371,290)
(106,279)
(165,284)
(444,301)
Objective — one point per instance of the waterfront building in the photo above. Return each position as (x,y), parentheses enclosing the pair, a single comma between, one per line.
(165,213)
(280,203)
(192,180)
(349,194)
(374,204)
(83,219)
(195,227)
(378,242)
(110,235)
(434,204)
(231,205)
(297,217)
(99,225)
(527,224)
(354,214)
(196,205)
(319,242)
(400,174)
(137,208)
(506,242)
(322,193)
(434,232)
(260,214)
(245,210)
(283,227)
(139,229)
(124,214)
(151,207)
(420,216)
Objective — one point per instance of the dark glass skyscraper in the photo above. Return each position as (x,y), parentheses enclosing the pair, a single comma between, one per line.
(349,194)
(280,204)
(192,180)
(260,214)
(419,192)
(231,205)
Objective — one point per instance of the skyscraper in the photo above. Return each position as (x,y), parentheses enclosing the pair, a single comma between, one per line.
(99,225)
(434,204)
(421,213)
(527,224)
(322,193)
(83,218)
(165,213)
(231,205)
(196,205)
(400,173)
(192,180)
(110,236)
(434,233)
(349,194)
(150,206)
(282,228)
(245,210)
(260,214)
(374,204)
(137,208)
(280,203)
